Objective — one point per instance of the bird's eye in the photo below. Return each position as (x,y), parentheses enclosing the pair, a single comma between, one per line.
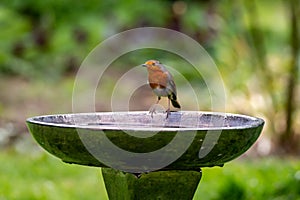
(153,63)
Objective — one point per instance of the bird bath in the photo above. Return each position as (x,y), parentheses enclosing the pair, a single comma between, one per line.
(143,157)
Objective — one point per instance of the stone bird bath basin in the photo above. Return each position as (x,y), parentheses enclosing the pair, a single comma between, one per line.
(143,157)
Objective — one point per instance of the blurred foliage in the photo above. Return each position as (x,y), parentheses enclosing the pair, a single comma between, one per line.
(50,38)
(251,179)
(39,176)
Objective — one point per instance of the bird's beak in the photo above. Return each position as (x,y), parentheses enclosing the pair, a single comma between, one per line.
(144,65)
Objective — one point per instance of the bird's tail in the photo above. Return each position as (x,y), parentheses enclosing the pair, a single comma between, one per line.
(174,101)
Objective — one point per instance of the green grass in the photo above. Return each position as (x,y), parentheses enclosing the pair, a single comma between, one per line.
(41,176)
(268,178)
(30,173)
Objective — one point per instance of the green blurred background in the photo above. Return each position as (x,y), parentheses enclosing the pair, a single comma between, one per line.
(255,45)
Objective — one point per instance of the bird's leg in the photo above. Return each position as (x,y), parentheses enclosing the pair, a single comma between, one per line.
(158,99)
(152,109)
(168,110)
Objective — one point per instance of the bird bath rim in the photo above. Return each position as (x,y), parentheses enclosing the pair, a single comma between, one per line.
(250,122)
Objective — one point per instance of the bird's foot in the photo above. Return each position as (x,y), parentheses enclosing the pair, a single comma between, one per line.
(151,111)
(155,108)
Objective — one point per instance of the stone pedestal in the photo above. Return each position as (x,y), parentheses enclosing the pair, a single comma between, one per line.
(163,185)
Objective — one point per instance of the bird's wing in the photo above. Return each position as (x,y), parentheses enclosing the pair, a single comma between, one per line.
(171,83)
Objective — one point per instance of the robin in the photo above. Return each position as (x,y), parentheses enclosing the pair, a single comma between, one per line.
(162,83)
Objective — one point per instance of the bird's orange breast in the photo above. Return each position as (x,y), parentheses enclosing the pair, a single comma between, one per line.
(157,78)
